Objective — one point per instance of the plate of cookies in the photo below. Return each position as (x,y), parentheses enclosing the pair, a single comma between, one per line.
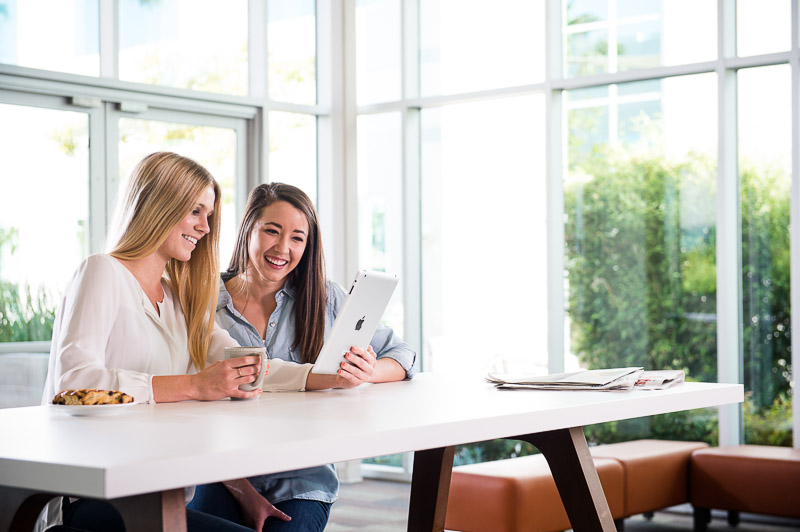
(87,402)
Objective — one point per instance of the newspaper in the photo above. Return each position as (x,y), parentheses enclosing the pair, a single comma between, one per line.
(659,379)
(596,379)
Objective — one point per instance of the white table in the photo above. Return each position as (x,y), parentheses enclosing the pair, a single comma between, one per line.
(141,458)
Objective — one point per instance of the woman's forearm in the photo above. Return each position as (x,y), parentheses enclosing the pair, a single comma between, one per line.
(388,370)
(172,388)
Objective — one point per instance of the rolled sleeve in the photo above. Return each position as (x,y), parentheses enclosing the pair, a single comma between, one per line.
(286,376)
(220,339)
(387,344)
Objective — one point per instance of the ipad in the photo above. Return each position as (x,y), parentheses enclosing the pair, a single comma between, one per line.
(357,319)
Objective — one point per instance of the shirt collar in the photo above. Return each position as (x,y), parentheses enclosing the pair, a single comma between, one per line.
(224,299)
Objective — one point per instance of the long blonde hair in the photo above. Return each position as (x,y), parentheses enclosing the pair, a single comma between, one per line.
(163,188)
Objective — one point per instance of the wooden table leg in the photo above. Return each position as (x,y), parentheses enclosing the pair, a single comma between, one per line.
(430,487)
(164,510)
(19,509)
(573,470)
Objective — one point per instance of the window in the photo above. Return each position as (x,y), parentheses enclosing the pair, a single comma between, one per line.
(198,45)
(639,192)
(558,183)
(763,27)
(765,177)
(33,34)
(378,58)
(291,34)
(380,204)
(44,158)
(213,147)
(293,151)
(483,232)
(608,169)
(606,37)
(71,142)
(471,46)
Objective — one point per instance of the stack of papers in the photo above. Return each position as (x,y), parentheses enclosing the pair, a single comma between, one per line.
(594,379)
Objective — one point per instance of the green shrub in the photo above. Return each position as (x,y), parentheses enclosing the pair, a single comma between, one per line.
(641,263)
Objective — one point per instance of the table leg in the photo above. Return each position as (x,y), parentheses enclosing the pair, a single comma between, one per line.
(573,470)
(164,510)
(430,487)
(19,509)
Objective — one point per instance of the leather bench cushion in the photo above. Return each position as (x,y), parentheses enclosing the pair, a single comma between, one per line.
(656,472)
(519,494)
(747,478)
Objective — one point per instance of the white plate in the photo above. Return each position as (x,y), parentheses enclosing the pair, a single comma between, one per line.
(92,410)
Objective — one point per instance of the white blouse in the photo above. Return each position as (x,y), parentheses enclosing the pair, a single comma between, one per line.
(107,335)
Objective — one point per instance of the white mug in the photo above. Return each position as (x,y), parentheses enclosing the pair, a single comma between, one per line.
(259,351)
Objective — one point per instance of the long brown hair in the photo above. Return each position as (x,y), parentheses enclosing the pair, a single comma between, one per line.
(307,279)
(163,188)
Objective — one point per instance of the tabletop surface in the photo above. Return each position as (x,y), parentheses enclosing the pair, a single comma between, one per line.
(148,448)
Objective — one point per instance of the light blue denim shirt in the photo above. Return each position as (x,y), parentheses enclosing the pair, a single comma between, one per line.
(314,483)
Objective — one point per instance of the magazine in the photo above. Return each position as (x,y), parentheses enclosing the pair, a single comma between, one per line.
(596,379)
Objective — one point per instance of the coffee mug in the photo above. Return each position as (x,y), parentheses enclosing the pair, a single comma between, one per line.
(236,352)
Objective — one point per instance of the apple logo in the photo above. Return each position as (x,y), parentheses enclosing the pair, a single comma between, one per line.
(359,323)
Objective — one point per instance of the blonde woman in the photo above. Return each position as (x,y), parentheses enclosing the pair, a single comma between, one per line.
(141,318)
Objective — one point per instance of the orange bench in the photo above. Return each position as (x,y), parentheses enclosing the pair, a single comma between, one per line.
(656,472)
(519,494)
(745,478)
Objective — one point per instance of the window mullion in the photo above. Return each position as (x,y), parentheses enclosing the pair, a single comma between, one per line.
(795,208)
(109,39)
(555,187)
(729,264)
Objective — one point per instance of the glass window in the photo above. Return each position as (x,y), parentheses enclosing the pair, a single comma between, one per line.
(380,215)
(190,44)
(377,51)
(292,42)
(484,265)
(380,203)
(60,36)
(293,151)
(472,46)
(640,239)
(605,37)
(765,150)
(763,26)
(44,214)
(213,147)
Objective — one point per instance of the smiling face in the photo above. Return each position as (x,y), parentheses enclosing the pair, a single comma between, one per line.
(277,242)
(183,238)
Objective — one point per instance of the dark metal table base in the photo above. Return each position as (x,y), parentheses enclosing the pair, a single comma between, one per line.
(570,462)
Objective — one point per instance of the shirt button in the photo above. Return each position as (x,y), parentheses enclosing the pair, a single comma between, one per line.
(272,324)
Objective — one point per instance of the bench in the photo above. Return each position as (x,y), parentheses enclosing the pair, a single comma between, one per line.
(656,472)
(745,478)
(519,493)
